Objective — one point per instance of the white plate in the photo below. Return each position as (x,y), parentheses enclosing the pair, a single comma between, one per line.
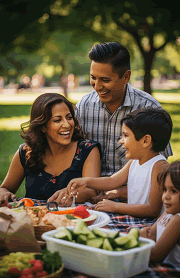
(102,218)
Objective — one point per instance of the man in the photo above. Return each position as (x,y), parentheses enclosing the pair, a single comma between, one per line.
(100,112)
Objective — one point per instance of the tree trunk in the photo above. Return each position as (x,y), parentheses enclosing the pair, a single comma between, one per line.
(64,85)
(148,60)
(64,81)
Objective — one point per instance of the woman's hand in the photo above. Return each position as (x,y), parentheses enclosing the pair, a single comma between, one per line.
(75,185)
(106,205)
(6,195)
(61,197)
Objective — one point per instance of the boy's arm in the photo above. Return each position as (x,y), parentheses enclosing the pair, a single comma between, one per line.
(103,183)
(169,238)
(151,209)
(120,193)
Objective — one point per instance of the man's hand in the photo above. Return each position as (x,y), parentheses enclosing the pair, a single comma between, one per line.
(6,195)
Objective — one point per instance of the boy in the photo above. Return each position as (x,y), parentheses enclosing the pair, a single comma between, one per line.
(146,132)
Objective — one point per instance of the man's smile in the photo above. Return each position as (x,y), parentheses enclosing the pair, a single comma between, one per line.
(103,93)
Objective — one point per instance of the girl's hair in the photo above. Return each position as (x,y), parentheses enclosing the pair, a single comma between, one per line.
(31,132)
(174,171)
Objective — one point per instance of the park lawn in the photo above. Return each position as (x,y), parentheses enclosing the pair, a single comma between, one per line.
(11,116)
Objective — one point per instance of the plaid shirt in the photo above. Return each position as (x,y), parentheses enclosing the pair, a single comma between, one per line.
(99,125)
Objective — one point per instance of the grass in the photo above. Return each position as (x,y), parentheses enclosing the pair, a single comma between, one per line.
(11,116)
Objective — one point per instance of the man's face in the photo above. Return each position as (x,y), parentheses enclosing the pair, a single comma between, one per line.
(110,88)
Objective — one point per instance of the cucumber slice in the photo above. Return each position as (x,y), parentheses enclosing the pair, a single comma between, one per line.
(61,235)
(134,232)
(68,234)
(81,228)
(61,228)
(107,245)
(121,240)
(113,234)
(99,233)
(131,243)
(96,242)
(81,239)
(119,249)
(91,235)
(64,234)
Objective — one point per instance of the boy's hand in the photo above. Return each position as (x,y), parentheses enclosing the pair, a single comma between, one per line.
(75,185)
(98,198)
(106,205)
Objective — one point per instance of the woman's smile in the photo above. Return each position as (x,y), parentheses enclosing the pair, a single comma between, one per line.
(60,127)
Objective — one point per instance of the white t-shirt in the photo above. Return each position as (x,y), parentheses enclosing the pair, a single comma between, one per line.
(139,180)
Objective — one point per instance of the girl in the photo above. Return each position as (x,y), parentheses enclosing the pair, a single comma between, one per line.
(166,229)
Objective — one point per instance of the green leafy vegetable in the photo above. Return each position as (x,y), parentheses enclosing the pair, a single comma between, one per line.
(69,216)
(51,261)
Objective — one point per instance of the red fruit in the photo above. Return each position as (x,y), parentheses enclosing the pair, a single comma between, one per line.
(38,266)
(30,276)
(23,276)
(14,270)
(32,261)
(41,274)
(26,271)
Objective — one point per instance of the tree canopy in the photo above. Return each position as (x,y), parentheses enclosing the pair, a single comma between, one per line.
(151,24)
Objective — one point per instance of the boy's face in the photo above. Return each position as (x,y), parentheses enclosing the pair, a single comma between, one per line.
(133,147)
(110,88)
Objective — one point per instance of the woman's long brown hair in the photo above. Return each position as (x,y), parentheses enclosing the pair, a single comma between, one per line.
(31,132)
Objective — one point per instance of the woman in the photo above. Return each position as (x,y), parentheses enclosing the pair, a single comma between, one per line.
(54,152)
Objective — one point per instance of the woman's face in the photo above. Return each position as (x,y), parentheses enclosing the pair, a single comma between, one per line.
(59,129)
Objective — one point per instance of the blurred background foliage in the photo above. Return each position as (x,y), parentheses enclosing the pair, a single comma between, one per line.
(53,37)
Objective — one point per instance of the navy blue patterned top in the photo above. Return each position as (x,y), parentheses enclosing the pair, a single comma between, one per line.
(43,185)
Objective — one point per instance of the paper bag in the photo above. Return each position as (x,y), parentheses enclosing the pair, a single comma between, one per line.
(17,232)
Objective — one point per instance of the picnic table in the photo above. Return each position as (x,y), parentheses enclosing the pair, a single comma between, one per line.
(124,223)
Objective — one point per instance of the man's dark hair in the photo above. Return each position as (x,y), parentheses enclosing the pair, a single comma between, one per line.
(153,121)
(112,53)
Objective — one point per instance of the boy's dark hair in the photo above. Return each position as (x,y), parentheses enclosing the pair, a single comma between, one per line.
(112,53)
(174,171)
(153,121)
